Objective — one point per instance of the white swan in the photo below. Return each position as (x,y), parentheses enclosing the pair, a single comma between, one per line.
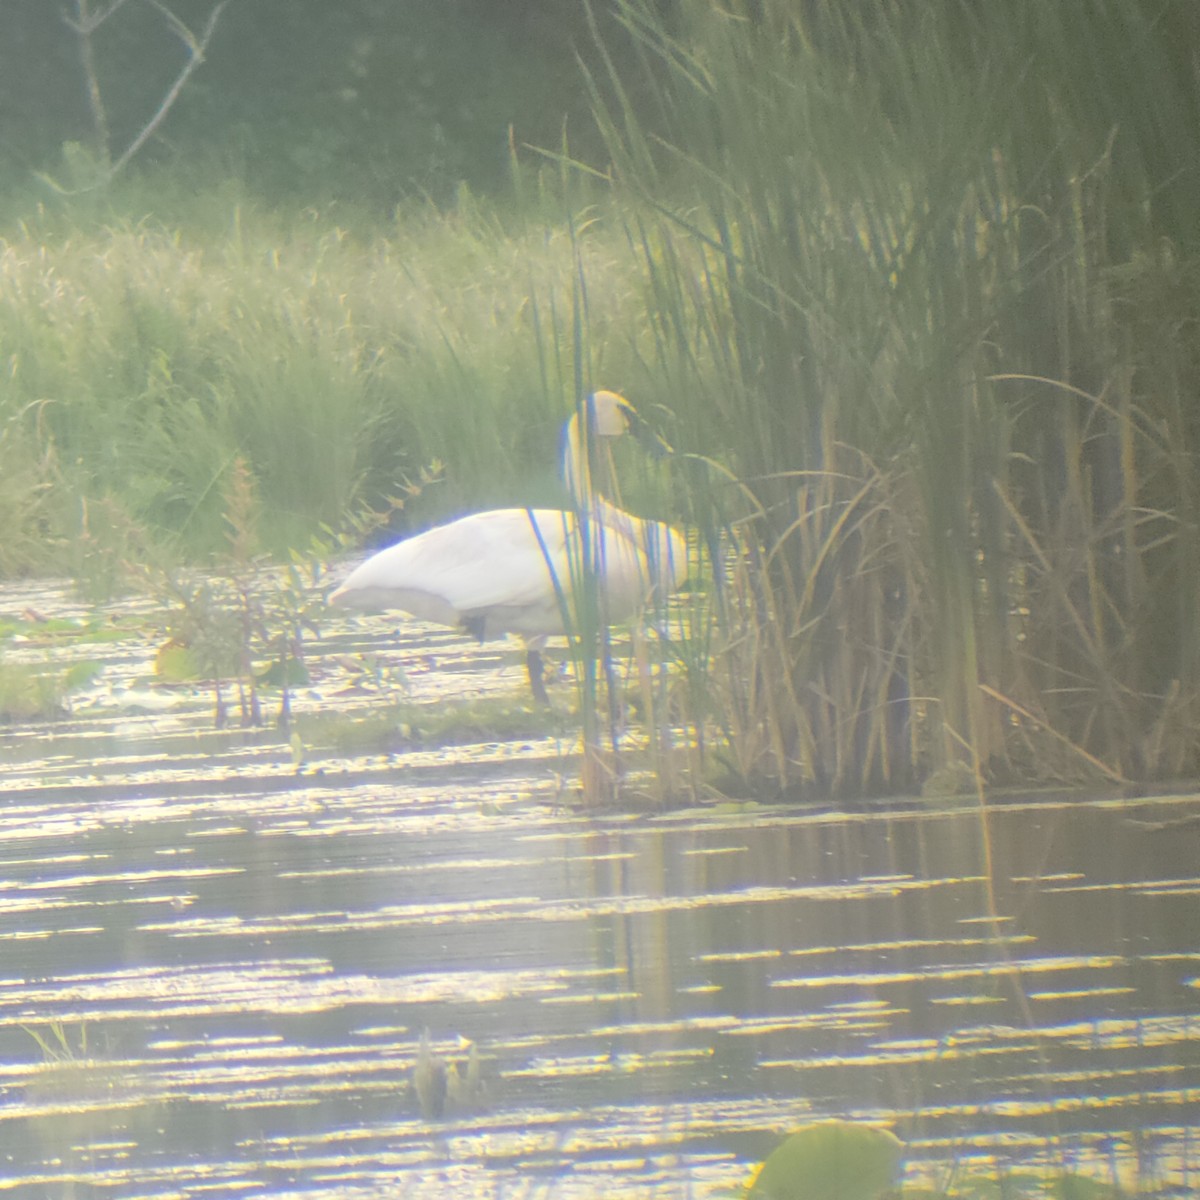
(512,570)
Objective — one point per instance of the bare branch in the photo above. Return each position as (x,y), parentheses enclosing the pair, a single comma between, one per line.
(196,49)
(84,27)
(86,23)
(179,29)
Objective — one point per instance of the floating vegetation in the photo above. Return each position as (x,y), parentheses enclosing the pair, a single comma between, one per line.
(36,692)
(447,1084)
(830,1160)
(28,693)
(409,725)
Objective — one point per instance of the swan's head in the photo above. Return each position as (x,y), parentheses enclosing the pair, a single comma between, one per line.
(610,415)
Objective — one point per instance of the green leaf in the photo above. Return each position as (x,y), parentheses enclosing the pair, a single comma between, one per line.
(176,663)
(1080,1187)
(830,1160)
(80,674)
(291,671)
(1027,1185)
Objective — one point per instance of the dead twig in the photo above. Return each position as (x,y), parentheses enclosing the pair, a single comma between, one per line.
(85,22)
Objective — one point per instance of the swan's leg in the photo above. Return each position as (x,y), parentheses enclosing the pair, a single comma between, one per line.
(533,664)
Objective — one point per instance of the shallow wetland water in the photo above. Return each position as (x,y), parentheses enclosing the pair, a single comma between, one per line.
(216,965)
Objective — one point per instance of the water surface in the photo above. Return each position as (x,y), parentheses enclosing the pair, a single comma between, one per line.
(216,965)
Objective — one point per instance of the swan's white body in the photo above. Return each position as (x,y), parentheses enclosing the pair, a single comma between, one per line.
(513,570)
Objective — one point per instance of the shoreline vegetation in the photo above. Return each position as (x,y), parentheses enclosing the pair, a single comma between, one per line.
(914,302)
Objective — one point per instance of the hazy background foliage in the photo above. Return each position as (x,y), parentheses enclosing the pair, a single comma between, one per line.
(363,102)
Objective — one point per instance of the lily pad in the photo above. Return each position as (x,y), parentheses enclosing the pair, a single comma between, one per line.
(80,674)
(830,1160)
(176,663)
(1080,1187)
(290,672)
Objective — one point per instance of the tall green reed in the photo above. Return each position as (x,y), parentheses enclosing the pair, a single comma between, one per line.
(959,484)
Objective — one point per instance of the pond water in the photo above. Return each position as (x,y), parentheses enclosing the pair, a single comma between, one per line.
(217,964)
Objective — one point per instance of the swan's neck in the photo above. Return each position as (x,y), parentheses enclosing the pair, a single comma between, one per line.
(576,466)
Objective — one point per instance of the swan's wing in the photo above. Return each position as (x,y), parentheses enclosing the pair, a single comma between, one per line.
(488,560)
(504,569)
(640,558)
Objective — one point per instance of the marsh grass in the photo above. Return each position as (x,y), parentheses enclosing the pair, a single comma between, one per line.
(239,625)
(913,297)
(142,361)
(941,342)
